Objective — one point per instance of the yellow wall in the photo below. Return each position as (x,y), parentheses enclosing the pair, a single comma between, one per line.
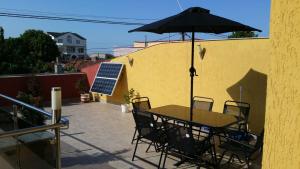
(282,136)
(161,72)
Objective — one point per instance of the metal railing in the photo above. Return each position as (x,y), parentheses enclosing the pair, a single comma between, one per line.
(62,122)
(45,113)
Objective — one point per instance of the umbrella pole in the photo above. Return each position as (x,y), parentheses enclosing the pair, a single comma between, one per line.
(192,74)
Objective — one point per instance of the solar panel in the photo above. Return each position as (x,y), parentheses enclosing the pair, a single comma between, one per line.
(109,70)
(107,78)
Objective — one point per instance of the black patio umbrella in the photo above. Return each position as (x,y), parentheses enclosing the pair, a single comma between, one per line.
(193,20)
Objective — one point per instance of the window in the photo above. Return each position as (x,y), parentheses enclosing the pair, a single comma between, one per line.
(77,41)
(69,39)
(70,49)
(80,50)
(60,41)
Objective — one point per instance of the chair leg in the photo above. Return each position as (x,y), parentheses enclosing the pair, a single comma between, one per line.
(161,155)
(221,158)
(150,146)
(230,159)
(165,157)
(214,159)
(156,147)
(239,159)
(247,162)
(136,145)
(133,138)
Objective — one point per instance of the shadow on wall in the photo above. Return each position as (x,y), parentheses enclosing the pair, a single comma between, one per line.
(120,90)
(252,88)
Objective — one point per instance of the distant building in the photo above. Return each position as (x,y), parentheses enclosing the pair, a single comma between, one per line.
(71,45)
(99,56)
(142,44)
(138,45)
(120,51)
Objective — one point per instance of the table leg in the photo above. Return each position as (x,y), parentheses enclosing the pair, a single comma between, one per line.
(214,152)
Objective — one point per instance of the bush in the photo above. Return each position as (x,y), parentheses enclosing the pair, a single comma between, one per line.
(82,85)
(30,116)
(33,87)
(32,97)
(131,94)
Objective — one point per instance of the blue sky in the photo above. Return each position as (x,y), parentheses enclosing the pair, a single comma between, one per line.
(255,13)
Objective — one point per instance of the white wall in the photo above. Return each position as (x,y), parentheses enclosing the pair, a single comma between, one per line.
(124,51)
(65,44)
(74,38)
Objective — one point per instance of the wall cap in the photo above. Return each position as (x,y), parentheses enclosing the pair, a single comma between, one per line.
(39,75)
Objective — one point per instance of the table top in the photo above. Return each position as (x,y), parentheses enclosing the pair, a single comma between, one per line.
(202,117)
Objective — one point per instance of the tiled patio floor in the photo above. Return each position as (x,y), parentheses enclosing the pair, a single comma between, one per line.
(99,138)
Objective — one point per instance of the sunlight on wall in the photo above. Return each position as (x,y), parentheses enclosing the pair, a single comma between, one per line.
(282,136)
(161,72)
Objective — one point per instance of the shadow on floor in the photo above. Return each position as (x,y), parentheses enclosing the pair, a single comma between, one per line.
(80,158)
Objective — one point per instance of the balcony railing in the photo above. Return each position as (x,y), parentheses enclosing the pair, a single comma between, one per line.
(28,138)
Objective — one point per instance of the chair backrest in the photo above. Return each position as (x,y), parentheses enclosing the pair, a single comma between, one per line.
(141,103)
(180,137)
(238,109)
(145,124)
(203,103)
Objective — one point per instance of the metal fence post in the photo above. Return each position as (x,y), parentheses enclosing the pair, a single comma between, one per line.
(15,116)
(16,127)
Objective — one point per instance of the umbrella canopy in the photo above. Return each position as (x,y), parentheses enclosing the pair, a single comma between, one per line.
(193,20)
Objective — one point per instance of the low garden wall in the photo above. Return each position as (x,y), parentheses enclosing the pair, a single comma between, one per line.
(11,85)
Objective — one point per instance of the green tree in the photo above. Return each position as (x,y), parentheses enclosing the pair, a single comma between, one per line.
(13,60)
(40,45)
(32,52)
(1,35)
(242,34)
(1,42)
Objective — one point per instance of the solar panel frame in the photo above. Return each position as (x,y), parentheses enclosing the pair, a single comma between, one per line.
(108,78)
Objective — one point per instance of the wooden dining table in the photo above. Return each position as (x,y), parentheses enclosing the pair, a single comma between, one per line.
(200,117)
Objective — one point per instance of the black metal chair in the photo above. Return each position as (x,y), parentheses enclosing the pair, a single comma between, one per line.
(203,103)
(242,149)
(148,132)
(241,111)
(239,130)
(181,143)
(139,104)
